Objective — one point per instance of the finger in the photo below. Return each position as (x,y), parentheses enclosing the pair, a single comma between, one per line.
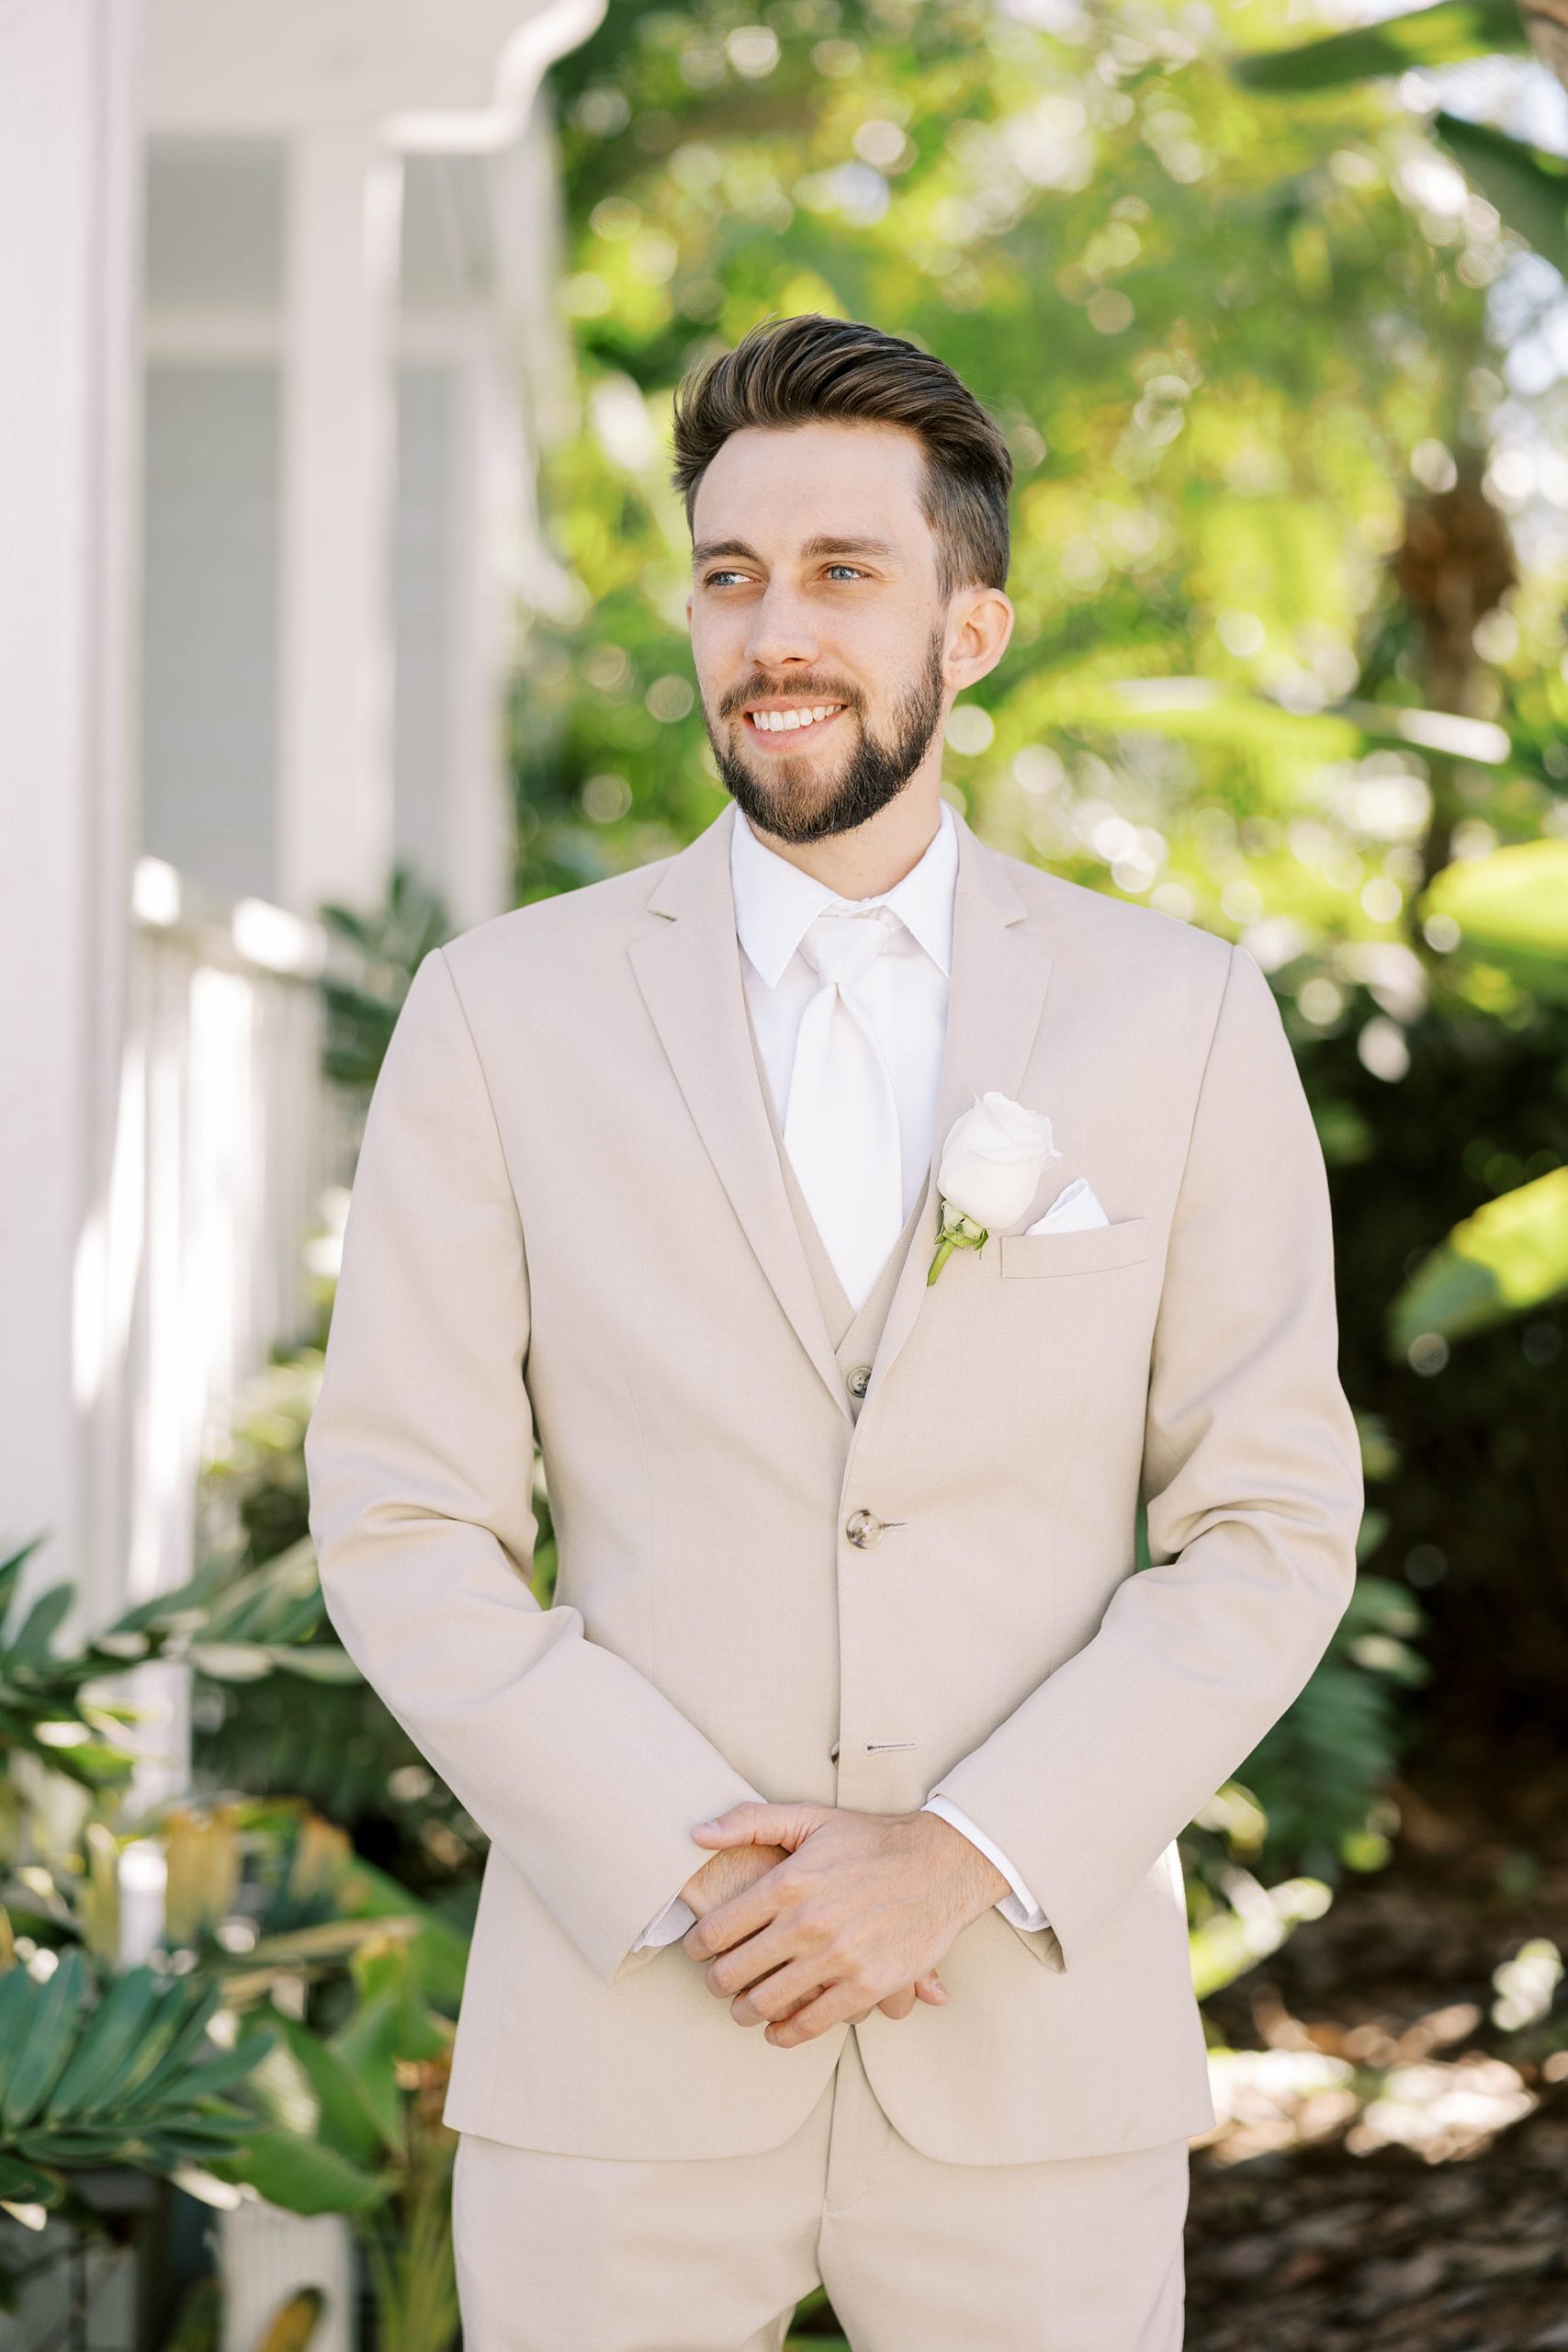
(747,1963)
(898,2005)
(792,1987)
(832,2005)
(729,1922)
(760,1825)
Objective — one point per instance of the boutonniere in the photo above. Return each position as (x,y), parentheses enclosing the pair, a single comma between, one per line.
(991,1165)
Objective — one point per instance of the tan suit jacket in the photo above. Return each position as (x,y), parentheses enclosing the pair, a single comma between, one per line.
(569,1219)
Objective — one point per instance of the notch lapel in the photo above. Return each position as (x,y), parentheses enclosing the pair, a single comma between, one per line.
(689,974)
(1000,970)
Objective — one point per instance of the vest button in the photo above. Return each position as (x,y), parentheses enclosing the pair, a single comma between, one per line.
(858,1380)
(833,1753)
(863,1528)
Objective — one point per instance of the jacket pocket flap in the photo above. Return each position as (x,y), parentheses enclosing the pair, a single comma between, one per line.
(1088,1252)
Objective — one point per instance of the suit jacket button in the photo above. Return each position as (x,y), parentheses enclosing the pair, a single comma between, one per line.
(859,1379)
(833,1753)
(863,1528)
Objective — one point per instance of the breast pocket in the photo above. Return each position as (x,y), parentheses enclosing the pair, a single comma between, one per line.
(1091,1253)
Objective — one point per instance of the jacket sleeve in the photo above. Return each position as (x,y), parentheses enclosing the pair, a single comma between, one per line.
(420,1462)
(1252,1481)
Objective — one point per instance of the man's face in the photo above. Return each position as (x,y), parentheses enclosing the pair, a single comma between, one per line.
(814,590)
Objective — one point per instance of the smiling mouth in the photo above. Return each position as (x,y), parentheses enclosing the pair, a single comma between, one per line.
(803,720)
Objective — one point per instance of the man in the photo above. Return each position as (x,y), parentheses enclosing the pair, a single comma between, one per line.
(846,1554)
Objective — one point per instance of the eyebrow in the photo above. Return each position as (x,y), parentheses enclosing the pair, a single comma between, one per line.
(828,544)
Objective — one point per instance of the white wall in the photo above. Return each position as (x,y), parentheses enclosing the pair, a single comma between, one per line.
(70,204)
(211,588)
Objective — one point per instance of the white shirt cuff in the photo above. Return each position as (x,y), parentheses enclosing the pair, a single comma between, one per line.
(673,1921)
(1019,1908)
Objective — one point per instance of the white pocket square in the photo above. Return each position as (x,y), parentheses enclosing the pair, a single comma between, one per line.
(1074,1210)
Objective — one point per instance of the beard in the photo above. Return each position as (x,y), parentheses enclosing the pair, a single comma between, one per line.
(793,806)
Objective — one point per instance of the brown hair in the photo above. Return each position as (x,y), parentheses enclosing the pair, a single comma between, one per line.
(809,368)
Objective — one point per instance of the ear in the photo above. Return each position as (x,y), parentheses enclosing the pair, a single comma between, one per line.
(980,624)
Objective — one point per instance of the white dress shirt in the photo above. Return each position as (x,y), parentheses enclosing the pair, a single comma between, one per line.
(905,991)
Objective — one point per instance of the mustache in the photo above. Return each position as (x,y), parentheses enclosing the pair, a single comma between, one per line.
(757,689)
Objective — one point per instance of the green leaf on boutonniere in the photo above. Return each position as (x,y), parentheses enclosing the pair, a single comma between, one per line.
(955,1231)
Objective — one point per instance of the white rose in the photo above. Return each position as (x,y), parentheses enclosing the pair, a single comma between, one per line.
(993,1158)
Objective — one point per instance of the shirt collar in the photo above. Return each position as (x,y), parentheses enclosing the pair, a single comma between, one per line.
(776,902)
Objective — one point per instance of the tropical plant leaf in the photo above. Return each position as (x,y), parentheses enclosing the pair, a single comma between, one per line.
(230,1661)
(11,1569)
(134,2081)
(1443,35)
(39,2046)
(370,1900)
(186,2063)
(348,2120)
(24,2183)
(107,2046)
(314,1662)
(1513,903)
(1527,184)
(163,2029)
(303,2176)
(370,2046)
(39,1627)
(1510,1256)
(1313,1770)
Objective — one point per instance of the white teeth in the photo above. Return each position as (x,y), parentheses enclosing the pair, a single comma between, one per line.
(778,722)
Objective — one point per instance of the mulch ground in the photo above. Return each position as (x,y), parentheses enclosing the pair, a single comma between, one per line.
(1461,2247)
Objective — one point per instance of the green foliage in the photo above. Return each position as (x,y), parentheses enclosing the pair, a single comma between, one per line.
(363,991)
(43,1710)
(1471,1516)
(1444,35)
(1267,1852)
(1334,1748)
(1512,910)
(228,1629)
(349,2122)
(123,2076)
(1214,333)
(1527,184)
(343,1753)
(1510,1257)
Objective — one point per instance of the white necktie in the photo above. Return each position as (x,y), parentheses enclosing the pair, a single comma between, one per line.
(841,1127)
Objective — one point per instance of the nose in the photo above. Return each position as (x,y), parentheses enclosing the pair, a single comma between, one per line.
(780,631)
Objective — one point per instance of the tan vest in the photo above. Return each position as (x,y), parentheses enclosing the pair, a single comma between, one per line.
(853,1336)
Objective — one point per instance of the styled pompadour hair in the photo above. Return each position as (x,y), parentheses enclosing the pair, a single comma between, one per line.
(810,369)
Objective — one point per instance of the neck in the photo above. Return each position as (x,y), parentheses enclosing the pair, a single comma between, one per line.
(875,857)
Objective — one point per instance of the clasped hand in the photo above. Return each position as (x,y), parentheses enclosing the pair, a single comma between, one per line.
(853,1916)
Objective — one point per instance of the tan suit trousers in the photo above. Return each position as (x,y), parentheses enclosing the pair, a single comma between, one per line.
(712,2254)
